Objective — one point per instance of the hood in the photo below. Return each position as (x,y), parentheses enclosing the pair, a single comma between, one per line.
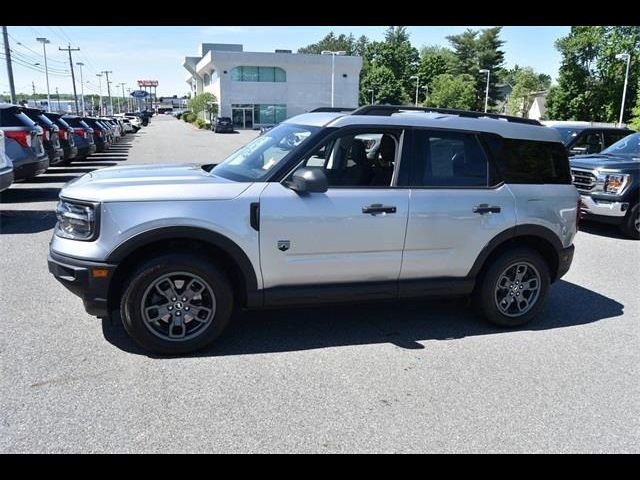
(608,162)
(152,183)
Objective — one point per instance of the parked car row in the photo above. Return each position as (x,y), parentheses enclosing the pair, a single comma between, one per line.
(33,140)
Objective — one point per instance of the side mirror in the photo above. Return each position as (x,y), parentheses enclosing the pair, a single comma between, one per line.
(578,151)
(308,180)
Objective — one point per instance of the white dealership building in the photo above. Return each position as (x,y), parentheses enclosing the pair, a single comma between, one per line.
(265,88)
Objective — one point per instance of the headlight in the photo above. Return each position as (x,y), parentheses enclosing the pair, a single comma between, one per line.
(616,183)
(76,221)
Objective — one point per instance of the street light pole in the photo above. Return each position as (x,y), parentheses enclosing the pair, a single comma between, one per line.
(44,42)
(371,90)
(80,64)
(622,56)
(486,95)
(333,70)
(106,73)
(417,79)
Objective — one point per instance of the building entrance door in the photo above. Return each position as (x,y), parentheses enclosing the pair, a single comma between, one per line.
(242,117)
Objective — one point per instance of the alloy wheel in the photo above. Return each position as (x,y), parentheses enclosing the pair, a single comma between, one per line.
(517,289)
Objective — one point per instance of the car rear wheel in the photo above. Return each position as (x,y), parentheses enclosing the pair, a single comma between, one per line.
(631,225)
(514,288)
(176,303)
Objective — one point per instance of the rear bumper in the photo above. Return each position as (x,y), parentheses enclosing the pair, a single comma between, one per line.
(78,277)
(30,169)
(565,258)
(55,154)
(69,151)
(6,178)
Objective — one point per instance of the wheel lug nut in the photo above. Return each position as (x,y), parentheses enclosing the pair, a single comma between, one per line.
(184,299)
(186,308)
(178,313)
(173,299)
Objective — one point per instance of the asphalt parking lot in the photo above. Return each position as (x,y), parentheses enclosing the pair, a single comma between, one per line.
(394,377)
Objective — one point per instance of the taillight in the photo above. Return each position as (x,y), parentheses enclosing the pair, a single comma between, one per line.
(47,135)
(20,136)
(62,134)
(80,131)
(98,133)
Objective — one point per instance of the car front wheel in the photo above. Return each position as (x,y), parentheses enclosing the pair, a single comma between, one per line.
(631,225)
(514,288)
(176,303)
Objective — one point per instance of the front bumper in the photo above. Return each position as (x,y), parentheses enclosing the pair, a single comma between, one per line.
(78,276)
(6,178)
(591,207)
(565,258)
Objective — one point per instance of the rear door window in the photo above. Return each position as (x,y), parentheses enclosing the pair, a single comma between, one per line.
(449,159)
(588,143)
(612,137)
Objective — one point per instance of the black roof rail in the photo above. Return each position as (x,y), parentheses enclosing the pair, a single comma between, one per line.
(331,109)
(387,110)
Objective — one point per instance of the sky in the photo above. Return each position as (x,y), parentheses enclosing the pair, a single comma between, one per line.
(157,53)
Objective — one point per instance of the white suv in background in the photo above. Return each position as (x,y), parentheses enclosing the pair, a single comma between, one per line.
(382,202)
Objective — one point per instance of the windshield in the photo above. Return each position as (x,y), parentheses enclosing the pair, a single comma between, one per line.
(254,161)
(629,145)
(568,133)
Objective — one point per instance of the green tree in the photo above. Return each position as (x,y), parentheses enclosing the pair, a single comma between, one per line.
(635,113)
(452,91)
(434,61)
(386,87)
(525,82)
(342,42)
(476,50)
(591,79)
(204,103)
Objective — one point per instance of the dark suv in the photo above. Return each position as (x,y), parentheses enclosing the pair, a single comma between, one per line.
(222,124)
(82,136)
(66,137)
(581,138)
(101,134)
(23,141)
(51,135)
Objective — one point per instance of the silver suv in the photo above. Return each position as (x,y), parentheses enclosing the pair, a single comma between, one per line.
(378,203)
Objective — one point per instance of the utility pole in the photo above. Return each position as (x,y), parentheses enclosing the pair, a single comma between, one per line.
(58,95)
(106,73)
(99,75)
(73,77)
(44,42)
(33,86)
(7,54)
(122,85)
(129,99)
(80,64)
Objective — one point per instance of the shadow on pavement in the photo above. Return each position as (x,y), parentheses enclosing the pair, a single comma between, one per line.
(603,230)
(403,324)
(50,178)
(23,195)
(26,221)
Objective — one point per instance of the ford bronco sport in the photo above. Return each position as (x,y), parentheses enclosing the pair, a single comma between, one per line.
(378,203)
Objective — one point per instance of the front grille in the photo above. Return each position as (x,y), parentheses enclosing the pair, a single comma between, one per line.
(584,180)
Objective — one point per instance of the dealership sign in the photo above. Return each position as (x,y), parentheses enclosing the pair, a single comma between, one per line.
(139,93)
(147,83)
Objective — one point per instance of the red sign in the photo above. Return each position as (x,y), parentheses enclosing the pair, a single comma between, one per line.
(147,83)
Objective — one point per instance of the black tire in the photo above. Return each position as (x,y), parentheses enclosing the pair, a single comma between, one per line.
(484,298)
(629,226)
(144,277)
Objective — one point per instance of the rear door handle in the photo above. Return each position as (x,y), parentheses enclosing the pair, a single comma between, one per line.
(485,208)
(378,208)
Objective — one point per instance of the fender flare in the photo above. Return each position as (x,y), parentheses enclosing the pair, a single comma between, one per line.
(228,246)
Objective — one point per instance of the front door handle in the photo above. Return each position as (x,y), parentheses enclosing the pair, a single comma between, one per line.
(486,208)
(378,208)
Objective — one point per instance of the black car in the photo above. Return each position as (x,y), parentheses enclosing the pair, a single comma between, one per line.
(608,184)
(101,133)
(222,124)
(51,135)
(583,139)
(23,142)
(66,137)
(82,136)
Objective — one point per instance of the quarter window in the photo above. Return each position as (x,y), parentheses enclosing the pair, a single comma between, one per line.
(258,74)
